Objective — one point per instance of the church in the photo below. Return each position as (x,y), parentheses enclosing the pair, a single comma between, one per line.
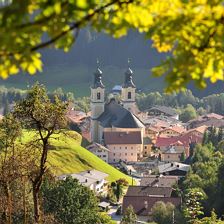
(114,123)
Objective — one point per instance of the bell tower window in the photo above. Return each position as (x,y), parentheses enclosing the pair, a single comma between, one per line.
(98,96)
(129,95)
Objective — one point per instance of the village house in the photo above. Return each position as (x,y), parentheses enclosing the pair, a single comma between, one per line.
(93,179)
(172,131)
(199,131)
(99,150)
(164,144)
(163,110)
(124,146)
(174,169)
(208,120)
(142,199)
(147,146)
(174,154)
(159,181)
(152,131)
(81,119)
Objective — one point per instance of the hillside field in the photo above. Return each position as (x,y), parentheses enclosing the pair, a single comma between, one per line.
(67,156)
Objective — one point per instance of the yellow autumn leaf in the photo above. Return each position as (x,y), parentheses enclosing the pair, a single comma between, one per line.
(31,69)
(57,7)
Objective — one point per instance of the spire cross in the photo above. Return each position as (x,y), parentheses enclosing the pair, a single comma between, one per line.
(129,61)
(97,62)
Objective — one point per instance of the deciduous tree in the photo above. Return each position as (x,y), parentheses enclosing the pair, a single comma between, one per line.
(192,31)
(42,118)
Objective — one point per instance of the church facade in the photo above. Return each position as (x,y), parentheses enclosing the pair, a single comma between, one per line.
(114,124)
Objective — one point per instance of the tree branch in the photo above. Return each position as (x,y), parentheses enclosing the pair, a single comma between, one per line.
(78,24)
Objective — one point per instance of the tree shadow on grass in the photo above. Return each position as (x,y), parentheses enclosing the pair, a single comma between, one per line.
(83,161)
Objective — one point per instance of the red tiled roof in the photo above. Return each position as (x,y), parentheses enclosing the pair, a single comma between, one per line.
(213,115)
(177,129)
(186,139)
(200,129)
(117,138)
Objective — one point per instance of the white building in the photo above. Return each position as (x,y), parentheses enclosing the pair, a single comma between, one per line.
(94,179)
(99,150)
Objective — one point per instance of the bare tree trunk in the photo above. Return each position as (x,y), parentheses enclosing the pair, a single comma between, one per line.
(24,201)
(38,182)
(9,204)
(36,205)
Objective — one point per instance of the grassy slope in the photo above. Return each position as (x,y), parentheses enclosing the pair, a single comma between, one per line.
(67,156)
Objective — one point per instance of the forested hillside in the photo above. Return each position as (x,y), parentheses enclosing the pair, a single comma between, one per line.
(73,71)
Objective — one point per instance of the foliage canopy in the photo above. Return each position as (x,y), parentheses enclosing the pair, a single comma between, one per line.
(192,31)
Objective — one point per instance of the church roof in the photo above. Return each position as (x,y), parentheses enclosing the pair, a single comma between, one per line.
(128,79)
(115,115)
(97,82)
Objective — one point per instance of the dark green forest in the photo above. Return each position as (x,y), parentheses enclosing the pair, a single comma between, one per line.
(73,71)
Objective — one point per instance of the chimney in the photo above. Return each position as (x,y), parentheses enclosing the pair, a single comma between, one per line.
(146,204)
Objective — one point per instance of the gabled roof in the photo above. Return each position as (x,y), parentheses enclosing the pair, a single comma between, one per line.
(86,177)
(143,205)
(200,129)
(171,150)
(96,146)
(159,181)
(149,191)
(185,139)
(213,115)
(178,129)
(173,166)
(115,115)
(166,110)
(117,138)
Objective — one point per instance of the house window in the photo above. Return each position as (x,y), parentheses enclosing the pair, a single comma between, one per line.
(126,154)
(104,156)
(125,147)
(132,154)
(114,154)
(120,147)
(114,160)
(129,95)
(145,147)
(98,96)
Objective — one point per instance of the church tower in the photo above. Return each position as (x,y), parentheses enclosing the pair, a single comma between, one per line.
(97,101)
(128,91)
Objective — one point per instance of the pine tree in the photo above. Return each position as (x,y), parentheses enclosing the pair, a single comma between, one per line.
(220,135)
(205,138)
